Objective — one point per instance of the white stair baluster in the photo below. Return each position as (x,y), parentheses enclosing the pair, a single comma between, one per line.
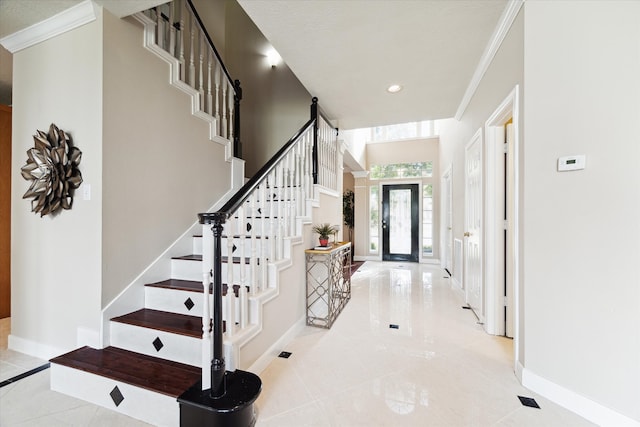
(192,67)
(223,129)
(160,28)
(273,211)
(200,72)
(242,236)
(231,100)
(183,70)
(209,106)
(280,221)
(172,30)
(231,312)
(231,222)
(244,307)
(217,96)
(292,202)
(265,241)
(253,260)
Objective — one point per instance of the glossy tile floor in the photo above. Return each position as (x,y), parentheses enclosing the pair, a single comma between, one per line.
(437,369)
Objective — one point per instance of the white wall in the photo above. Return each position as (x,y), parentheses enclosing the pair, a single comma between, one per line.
(56,261)
(582,229)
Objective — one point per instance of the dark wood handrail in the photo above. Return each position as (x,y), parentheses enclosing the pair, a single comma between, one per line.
(241,195)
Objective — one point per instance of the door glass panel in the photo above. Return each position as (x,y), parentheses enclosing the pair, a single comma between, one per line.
(374,219)
(427,220)
(400,225)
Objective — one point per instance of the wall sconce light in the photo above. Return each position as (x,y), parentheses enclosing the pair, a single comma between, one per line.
(273,58)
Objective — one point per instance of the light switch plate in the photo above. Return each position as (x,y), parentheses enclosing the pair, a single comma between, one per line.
(572,163)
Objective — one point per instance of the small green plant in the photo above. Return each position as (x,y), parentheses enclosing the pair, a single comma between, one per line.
(324,230)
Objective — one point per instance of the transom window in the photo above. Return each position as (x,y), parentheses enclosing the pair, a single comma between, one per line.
(402,170)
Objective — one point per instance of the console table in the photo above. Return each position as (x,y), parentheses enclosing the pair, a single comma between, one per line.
(328,283)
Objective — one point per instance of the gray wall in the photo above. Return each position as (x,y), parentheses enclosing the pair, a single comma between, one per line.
(275,104)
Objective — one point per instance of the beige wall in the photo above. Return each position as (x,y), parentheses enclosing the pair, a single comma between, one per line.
(275,104)
(160,168)
(582,247)
(56,260)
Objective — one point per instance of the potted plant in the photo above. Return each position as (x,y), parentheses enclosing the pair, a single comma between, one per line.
(324,231)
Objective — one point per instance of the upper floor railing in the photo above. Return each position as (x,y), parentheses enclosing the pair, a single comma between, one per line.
(181,32)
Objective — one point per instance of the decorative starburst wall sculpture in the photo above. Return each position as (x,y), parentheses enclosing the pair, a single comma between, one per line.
(52,165)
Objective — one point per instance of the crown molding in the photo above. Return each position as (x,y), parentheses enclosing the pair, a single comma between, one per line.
(67,20)
(504,24)
(360,174)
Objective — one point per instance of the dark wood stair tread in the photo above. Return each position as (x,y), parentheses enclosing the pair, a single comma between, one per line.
(179,285)
(189,285)
(174,323)
(225,259)
(151,373)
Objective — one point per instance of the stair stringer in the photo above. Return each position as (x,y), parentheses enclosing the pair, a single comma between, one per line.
(174,79)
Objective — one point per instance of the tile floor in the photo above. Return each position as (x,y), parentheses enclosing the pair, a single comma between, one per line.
(438,368)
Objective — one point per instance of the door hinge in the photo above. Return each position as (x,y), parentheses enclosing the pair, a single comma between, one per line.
(505,224)
(505,148)
(505,302)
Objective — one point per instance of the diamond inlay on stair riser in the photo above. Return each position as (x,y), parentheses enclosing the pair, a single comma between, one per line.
(189,303)
(157,344)
(116,396)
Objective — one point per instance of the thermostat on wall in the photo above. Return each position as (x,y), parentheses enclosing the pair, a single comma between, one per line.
(571,163)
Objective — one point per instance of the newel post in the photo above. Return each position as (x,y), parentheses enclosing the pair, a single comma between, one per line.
(218,385)
(314,152)
(237,145)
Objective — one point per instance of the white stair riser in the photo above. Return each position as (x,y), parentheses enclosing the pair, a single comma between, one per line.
(180,348)
(172,300)
(192,270)
(151,407)
(248,250)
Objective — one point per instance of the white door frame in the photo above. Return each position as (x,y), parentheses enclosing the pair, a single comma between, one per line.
(446,222)
(494,131)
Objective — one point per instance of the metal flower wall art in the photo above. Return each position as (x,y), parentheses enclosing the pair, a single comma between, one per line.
(52,166)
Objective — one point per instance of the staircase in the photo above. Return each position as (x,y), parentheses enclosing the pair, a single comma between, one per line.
(156,351)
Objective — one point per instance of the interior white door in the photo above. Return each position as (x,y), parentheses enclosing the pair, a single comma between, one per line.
(473,281)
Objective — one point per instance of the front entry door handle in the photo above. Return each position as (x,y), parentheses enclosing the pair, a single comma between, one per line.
(384,225)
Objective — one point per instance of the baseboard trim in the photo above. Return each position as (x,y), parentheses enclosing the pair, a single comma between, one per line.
(272,352)
(35,349)
(366,258)
(575,402)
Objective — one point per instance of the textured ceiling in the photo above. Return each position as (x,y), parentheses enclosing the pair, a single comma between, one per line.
(348,52)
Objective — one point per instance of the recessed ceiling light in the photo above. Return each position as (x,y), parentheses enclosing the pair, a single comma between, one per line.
(394,88)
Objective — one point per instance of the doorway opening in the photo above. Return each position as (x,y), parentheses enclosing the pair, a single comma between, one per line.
(502,222)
